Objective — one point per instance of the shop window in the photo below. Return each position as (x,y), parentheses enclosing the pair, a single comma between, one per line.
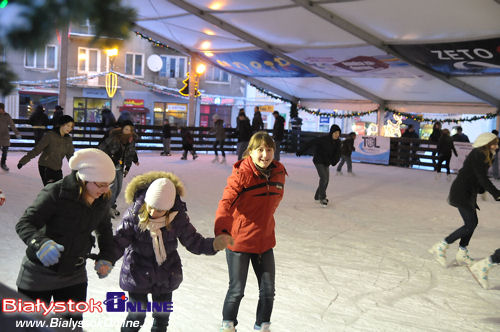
(134,64)
(216,75)
(89,109)
(175,113)
(173,66)
(89,60)
(41,59)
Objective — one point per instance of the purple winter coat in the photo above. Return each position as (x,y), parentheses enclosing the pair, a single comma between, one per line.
(140,272)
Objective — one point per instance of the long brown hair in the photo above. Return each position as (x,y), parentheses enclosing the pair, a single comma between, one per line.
(82,190)
(257,139)
(486,149)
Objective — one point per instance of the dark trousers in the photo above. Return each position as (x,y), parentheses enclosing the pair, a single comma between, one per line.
(263,266)
(278,150)
(5,149)
(48,175)
(345,159)
(221,147)
(324,178)
(495,258)
(77,293)
(465,232)
(160,319)
(439,164)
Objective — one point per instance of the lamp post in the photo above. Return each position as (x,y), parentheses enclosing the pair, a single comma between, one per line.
(196,70)
(111,77)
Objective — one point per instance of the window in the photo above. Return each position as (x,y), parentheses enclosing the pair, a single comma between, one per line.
(89,60)
(85,28)
(41,59)
(173,66)
(134,64)
(216,75)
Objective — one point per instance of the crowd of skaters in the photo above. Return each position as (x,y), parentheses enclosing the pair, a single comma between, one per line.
(157,218)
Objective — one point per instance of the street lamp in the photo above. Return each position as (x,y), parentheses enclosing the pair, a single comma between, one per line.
(111,77)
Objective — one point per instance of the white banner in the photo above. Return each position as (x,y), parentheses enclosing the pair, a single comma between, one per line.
(372,149)
(463,150)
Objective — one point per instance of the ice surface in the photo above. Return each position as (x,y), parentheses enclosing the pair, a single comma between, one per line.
(361,264)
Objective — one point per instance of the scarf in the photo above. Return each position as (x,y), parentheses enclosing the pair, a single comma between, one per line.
(154,227)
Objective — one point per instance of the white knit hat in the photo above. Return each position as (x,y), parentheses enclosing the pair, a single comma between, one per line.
(161,194)
(483,139)
(93,165)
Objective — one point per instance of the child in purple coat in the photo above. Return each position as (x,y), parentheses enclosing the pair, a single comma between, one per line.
(148,234)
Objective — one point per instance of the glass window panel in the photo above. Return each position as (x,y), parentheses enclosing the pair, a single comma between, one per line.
(82,59)
(51,57)
(225,76)
(163,70)
(93,59)
(172,67)
(138,65)
(40,58)
(129,63)
(182,67)
(30,59)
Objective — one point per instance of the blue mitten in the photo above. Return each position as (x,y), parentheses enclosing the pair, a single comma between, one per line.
(49,253)
(103,268)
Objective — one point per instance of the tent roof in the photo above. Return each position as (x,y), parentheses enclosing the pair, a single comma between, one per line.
(356,54)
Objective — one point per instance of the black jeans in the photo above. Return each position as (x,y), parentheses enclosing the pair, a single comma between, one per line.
(345,159)
(263,266)
(160,319)
(5,149)
(324,178)
(48,175)
(77,293)
(465,232)
(221,144)
(446,160)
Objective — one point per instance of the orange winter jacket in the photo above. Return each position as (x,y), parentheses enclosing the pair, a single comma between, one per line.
(246,210)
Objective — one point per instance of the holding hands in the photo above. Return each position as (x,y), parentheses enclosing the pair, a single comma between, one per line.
(222,241)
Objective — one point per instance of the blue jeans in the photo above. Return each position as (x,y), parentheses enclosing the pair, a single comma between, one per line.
(345,159)
(116,188)
(160,319)
(263,266)
(465,232)
(324,178)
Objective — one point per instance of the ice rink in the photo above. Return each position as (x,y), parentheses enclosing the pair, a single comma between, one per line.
(361,264)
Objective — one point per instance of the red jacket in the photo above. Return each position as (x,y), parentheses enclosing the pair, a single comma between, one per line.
(246,210)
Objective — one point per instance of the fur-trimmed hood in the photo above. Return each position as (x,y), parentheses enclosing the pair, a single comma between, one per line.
(141,182)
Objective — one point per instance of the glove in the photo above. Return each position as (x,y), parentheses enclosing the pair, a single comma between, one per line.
(49,253)
(103,268)
(19,165)
(222,241)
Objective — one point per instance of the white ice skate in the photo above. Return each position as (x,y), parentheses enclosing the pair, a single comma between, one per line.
(264,327)
(323,202)
(223,161)
(215,160)
(463,258)
(351,173)
(227,326)
(439,252)
(339,173)
(479,271)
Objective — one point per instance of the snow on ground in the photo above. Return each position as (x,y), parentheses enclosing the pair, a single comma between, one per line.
(361,264)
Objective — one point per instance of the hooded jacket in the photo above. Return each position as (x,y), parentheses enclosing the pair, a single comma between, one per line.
(121,153)
(472,179)
(140,272)
(326,149)
(246,210)
(53,148)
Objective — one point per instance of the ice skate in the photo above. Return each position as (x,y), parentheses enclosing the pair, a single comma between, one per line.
(163,154)
(479,271)
(463,258)
(439,252)
(4,167)
(339,173)
(323,202)
(215,160)
(448,177)
(351,174)
(227,326)
(264,327)
(223,161)
(195,156)
(437,176)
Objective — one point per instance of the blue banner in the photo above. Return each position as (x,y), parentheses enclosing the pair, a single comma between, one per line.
(372,149)
(257,63)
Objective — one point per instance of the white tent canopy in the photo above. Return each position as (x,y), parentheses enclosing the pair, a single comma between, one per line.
(346,54)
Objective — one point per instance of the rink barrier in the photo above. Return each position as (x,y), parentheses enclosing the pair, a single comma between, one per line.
(405,152)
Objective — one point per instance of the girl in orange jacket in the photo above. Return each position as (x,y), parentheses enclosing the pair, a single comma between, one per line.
(246,212)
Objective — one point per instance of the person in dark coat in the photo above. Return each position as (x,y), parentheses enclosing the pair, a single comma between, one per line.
(220,136)
(120,146)
(326,153)
(472,179)
(460,136)
(278,133)
(6,122)
(346,151)
(434,138)
(167,136)
(54,146)
(411,147)
(187,143)
(244,132)
(444,148)
(39,121)
(257,123)
(57,229)
(147,237)
(58,113)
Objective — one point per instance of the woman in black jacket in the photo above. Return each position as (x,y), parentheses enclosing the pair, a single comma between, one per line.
(444,148)
(58,226)
(326,153)
(471,180)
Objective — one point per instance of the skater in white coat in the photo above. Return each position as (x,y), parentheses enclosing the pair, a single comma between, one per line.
(471,180)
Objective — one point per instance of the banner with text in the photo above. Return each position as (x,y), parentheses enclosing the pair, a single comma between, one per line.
(372,149)
(463,150)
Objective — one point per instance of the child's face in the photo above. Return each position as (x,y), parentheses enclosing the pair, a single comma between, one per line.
(262,156)
(155,213)
(336,134)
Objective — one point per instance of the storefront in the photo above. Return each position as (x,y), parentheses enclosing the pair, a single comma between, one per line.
(28,100)
(215,105)
(175,113)
(139,113)
(88,108)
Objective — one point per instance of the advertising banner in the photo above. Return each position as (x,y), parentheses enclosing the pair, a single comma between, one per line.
(472,58)
(257,63)
(372,149)
(463,150)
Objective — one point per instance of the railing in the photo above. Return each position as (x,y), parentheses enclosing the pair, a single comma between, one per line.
(404,151)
